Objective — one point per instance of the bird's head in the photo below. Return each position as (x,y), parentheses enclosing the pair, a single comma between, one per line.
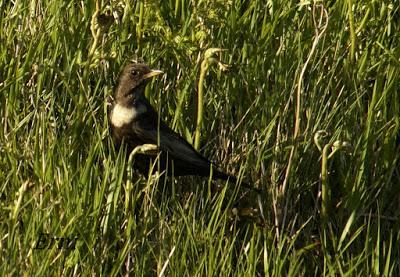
(132,82)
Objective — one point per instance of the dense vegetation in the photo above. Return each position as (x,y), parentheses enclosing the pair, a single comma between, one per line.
(302,102)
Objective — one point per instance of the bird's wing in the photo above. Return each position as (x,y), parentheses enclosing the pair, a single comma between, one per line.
(147,128)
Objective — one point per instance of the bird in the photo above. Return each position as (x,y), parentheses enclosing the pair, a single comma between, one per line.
(134,122)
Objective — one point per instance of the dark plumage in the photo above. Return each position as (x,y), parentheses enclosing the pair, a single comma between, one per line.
(134,122)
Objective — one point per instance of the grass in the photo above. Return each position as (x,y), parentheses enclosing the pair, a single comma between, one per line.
(304,105)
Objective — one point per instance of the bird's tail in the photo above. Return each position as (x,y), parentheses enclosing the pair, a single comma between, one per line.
(243,201)
(233,179)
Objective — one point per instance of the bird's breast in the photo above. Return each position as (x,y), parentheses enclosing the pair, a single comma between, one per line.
(121,115)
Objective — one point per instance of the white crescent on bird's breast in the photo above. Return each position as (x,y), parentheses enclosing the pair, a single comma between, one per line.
(121,115)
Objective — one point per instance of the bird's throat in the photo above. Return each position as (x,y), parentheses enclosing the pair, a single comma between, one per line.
(122,115)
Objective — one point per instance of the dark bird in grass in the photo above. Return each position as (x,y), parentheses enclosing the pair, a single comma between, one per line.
(134,122)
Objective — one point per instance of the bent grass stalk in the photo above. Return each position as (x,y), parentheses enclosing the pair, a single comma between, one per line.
(209,59)
(199,121)
(320,27)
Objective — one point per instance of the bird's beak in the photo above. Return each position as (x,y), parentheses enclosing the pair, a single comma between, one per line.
(152,73)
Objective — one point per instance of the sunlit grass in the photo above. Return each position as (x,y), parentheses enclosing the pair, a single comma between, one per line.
(281,79)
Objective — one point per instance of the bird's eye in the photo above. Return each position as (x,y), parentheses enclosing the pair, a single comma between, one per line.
(134,72)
